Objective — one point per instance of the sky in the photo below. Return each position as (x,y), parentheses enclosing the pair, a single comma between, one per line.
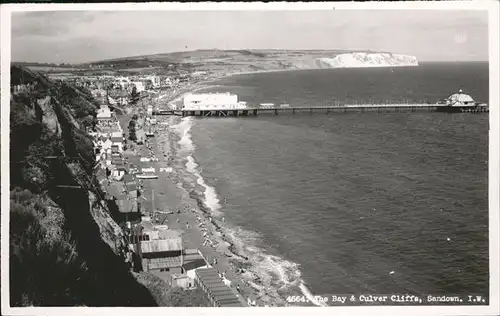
(82,36)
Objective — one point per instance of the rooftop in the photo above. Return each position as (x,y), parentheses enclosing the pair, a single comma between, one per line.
(216,289)
(161,263)
(126,205)
(161,245)
(460,97)
(116,139)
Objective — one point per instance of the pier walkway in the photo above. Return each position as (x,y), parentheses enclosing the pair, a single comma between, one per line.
(253,111)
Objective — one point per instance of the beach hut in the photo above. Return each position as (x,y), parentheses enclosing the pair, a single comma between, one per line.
(193,260)
(217,292)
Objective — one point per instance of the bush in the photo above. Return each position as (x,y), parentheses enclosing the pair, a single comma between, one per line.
(31,142)
(168,296)
(132,136)
(131,125)
(89,122)
(80,103)
(85,148)
(44,268)
(134,96)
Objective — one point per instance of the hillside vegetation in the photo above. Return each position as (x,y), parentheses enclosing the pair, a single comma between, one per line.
(230,61)
(65,249)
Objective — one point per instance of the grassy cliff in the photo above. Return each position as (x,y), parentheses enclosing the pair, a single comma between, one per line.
(65,249)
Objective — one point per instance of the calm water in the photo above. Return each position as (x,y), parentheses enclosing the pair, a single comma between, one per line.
(334,203)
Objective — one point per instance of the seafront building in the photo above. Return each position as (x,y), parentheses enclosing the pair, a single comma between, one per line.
(152,246)
(460,99)
(212,101)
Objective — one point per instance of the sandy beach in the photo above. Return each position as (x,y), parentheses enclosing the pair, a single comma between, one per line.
(181,210)
(169,99)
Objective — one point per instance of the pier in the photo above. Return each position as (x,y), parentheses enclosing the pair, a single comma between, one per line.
(377,108)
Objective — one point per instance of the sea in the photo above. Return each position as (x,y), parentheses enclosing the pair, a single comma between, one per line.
(350,203)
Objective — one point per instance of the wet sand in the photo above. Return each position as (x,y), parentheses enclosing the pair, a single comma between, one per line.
(199,228)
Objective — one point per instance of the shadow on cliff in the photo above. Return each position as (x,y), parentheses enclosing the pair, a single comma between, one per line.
(108,281)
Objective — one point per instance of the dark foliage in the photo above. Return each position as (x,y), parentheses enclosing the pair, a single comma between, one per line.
(20,75)
(134,96)
(132,136)
(131,124)
(44,267)
(58,257)
(80,104)
(173,296)
(30,143)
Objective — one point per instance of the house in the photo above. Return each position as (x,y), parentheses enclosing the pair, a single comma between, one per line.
(122,82)
(155,81)
(128,205)
(118,172)
(102,147)
(106,146)
(162,257)
(117,134)
(104,114)
(139,86)
(117,162)
(130,185)
(141,136)
(117,144)
(128,208)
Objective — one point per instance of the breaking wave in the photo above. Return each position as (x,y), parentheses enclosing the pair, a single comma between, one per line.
(272,276)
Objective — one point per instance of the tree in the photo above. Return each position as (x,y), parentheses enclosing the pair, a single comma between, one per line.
(89,122)
(134,96)
(131,124)
(132,135)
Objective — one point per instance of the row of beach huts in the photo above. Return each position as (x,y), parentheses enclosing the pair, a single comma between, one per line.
(152,246)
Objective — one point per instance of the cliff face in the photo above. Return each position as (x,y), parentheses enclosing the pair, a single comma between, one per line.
(65,249)
(360,60)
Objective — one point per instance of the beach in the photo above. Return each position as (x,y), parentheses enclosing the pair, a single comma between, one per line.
(273,272)
(180,209)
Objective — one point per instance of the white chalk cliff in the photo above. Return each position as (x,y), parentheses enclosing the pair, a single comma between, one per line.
(359,60)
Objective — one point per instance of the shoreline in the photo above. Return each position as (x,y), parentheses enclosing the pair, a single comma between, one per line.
(200,227)
(184,189)
(241,265)
(206,230)
(204,84)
